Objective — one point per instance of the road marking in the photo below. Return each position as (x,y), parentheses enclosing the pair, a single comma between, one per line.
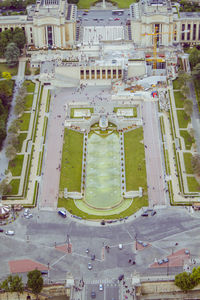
(58,260)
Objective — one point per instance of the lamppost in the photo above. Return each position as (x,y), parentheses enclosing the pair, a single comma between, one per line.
(136,241)
(68,246)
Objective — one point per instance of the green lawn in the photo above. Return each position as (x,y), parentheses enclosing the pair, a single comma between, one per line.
(193,185)
(71,166)
(15,186)
(187,138)
(183,119)
(179,99)
(135,165)
(15,165)
(29,85)
(24,121)
(134,110)
(72,111)
(21,138)
(188,165)
(119,3)
(5,68)
(197,90)
(176,84)
(69,205)
(28,101)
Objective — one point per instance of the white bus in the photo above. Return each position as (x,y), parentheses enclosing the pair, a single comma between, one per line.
(118,12)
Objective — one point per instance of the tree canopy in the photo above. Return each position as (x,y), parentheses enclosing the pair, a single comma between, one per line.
(35,281)
(186,281)
(13,284)
(194,57)
(12,54)
(16,36)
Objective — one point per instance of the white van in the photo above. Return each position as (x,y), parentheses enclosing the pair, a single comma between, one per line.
(10,232)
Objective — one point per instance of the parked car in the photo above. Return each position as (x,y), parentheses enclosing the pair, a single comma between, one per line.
(93,257)
(62,213)
(10,232)
(93,295)
(165,260)
(144,214)
(120,246)
(101,287)
(45,272)
(121,277)
(153,213)
(1,230)
(160,261)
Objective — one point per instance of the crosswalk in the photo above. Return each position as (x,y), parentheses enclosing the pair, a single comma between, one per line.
(108,282)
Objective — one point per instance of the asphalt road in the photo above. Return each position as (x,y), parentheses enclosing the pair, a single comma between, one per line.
(35,239)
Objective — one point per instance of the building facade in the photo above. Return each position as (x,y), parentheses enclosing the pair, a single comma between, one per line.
(54,23)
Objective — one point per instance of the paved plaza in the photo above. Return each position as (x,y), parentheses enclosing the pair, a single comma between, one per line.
(94,35)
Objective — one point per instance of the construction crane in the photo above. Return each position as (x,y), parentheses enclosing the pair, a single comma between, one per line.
(155,36)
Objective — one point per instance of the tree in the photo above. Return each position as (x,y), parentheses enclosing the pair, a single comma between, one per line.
(188,107)
(6,75)
(12,54)
(194,57)
(13,140)
(5,188)
(184,281)
(196,164)
(35,281)
(2,130)
(13,284)
(196,71)
(185,90)
(183,77)
(19,38)
(14,127)
(196,275)
(19,109)
(11,152)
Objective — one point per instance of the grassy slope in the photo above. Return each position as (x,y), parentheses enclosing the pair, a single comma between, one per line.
(135,160)
(71,166)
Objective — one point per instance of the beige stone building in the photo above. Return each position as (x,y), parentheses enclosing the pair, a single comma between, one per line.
(54,23)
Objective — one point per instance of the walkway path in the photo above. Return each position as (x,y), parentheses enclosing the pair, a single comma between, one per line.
(48,195)
(154,168)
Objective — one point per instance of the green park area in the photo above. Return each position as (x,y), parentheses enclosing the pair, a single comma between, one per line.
(134,206)
(135,165)
(71,167)
(21,137)
(72,110)
(124,108)
(183,119)
(117,3)
(5,68)
(179,99)
(24,122)
(188,139)
(14,187)
(30,86)
(187,160)
(28,101)
(193,185)
(176,84)
(15,165)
